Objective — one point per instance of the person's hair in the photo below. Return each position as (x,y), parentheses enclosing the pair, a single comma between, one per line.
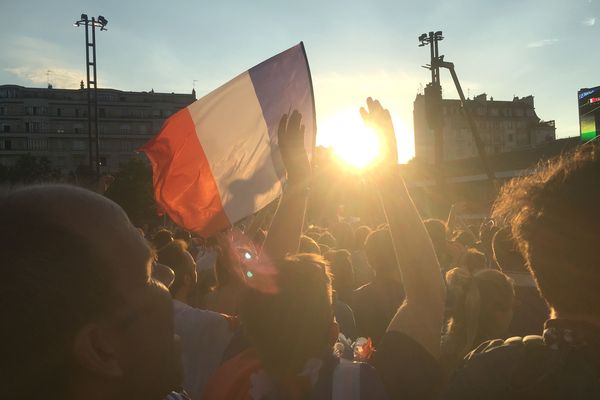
(293,325)
(379,249)
(474,260)
(360,236)
(53,282)
(554,217)
(506,253)
(162,238)
(342,273)
(328,240)
(344,235)
(308,245)
(175,256)
(475,300)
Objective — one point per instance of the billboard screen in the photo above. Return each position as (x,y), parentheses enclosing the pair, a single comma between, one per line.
(589,113)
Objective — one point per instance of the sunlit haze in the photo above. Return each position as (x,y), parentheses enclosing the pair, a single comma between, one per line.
(353,143)
(355,50)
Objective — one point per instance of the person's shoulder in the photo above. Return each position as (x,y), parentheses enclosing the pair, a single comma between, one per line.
(507,347)
(502,368)
(406,368)
(188,315)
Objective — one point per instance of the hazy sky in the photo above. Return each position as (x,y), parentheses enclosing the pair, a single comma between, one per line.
(547,48)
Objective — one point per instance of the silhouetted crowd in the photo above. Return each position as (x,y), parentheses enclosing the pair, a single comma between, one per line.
(279,307)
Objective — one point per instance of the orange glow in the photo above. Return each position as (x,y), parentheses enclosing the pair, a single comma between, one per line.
(354,144)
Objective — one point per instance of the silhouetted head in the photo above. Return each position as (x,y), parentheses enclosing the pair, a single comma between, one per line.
(175,256)
(554,216)
(481,308)
(84,315)
(506,252)
(309,246)
(466,238)
(162,238)
(295,324)
(381,256)
(328,240)
(342,273)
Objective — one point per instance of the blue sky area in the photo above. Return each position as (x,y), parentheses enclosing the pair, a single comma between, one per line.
(547,48)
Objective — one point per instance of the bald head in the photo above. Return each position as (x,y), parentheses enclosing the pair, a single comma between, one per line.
(93,218)
(69,257)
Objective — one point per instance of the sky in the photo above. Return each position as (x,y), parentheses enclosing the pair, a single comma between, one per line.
(356,49)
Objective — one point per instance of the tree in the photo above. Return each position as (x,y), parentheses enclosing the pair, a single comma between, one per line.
(30,169)
(132,190)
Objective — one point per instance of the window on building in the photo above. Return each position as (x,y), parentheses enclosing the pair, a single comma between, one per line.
(510,137)
(34,110)
(2,110)
(76,130)
(58,112)
(103,162)
(77,112)
(102,112)
(6,128)
(78,145)
(7,145)
(124,129)
(61,162)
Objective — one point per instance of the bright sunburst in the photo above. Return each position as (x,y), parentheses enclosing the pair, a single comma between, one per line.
(352,142)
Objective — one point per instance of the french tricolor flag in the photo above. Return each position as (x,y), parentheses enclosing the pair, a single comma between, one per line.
(217,161)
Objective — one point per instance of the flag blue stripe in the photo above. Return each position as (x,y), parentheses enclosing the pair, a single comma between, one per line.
(282,83)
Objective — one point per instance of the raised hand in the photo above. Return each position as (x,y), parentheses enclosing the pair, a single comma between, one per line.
(291,146)
(378,118)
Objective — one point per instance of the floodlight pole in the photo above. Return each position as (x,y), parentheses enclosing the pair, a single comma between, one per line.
(92,95)
(433,104)
(434,116)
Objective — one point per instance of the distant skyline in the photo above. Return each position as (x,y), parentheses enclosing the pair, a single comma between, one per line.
(355,49)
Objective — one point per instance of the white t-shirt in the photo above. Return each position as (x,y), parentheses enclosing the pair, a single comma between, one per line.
(204,336)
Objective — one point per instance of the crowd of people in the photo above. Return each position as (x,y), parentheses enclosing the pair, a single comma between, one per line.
(282,308)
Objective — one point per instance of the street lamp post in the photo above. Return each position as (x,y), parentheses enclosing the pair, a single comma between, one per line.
(92,95)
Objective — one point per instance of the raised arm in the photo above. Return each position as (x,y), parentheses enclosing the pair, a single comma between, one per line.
(421,315)
(284,234)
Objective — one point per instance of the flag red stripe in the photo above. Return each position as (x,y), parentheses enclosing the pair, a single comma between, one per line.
(183,182)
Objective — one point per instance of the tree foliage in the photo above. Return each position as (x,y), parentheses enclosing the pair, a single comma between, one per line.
(30,169)
(132,190)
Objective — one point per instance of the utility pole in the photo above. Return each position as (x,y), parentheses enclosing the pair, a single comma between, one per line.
(92,88)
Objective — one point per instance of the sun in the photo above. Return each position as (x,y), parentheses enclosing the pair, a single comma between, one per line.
(351,141)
